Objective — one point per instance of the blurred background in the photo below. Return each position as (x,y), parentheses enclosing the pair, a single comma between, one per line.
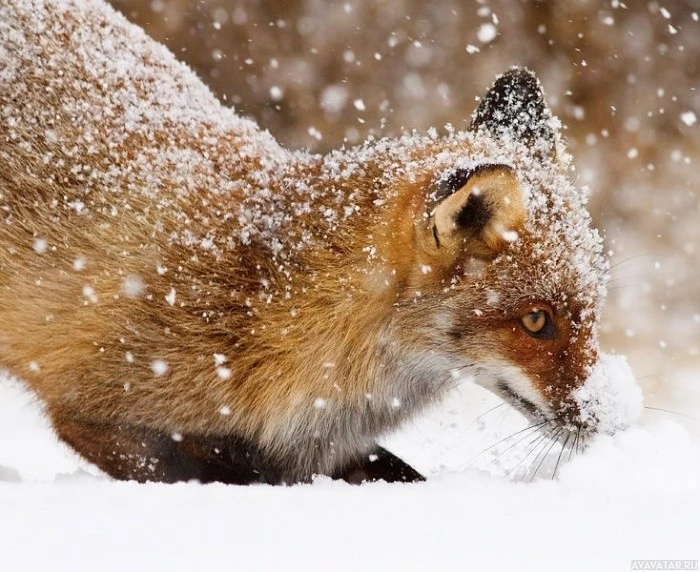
(622,76)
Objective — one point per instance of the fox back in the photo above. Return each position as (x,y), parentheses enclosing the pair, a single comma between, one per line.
(190,300)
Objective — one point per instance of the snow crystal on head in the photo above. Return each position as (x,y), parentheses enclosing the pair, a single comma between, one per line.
(610,400)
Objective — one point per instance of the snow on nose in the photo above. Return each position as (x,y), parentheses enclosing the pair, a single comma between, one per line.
(610,399)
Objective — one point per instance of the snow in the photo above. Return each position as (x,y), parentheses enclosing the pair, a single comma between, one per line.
(40,246)
(276,93)
(610,399)
(630,496)
(333,98)
(133,286)
(689,118)
(160,367)
(171,296)
(89,293)
(486,33)
(223,372)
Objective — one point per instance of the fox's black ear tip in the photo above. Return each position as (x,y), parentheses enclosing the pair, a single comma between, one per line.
(522,80)
(515,106)
(517,80)
(522,72)
(519,76)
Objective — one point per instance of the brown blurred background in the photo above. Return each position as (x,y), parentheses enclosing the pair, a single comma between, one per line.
(622,76)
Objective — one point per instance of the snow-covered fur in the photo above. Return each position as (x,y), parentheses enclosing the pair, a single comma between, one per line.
(189,299)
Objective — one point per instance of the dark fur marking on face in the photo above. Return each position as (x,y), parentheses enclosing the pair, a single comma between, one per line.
(451,183)
(436,237)
(475,215)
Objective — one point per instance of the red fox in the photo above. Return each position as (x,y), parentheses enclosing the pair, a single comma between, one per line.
(191,301)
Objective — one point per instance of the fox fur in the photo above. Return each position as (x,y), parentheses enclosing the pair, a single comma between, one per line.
(190,300)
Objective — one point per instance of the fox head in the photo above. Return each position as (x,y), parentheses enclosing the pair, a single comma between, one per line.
(506,270)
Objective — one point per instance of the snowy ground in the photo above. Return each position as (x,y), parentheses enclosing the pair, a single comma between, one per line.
(632,496)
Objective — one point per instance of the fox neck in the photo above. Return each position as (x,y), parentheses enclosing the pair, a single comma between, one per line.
(352,388)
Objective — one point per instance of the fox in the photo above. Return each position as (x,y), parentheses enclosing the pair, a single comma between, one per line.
(189,300)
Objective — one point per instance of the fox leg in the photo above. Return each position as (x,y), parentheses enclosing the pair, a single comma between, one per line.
(141,454)
(379,465)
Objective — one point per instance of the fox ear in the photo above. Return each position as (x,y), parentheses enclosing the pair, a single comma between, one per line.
(514,108)
(479,211)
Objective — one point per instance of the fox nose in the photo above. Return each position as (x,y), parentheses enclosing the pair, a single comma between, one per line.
(610,399)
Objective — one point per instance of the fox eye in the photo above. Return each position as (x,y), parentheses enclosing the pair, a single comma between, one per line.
(535,321)
(538,324)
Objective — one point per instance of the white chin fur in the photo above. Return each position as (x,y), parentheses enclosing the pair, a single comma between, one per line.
(500,373)
(610,400)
